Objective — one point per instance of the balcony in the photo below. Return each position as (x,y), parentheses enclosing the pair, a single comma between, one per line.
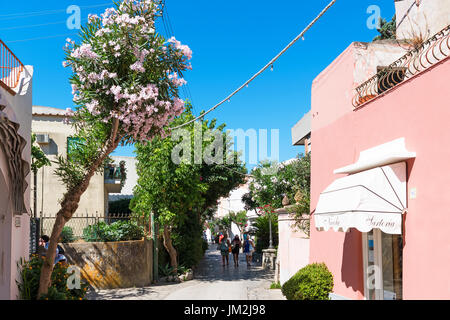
(417,60)
(10,69)
(115,176)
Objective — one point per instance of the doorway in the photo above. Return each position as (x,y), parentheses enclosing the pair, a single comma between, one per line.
(382,255)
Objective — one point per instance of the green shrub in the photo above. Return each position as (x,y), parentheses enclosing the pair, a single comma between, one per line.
(275,285)
(67,235)
(262,234)
(187,238)
(95,232)
(313,282)
(166,270)
(118,231)
(30,272)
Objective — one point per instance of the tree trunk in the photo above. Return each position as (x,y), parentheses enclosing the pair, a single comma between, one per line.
(170,249)
(68,207)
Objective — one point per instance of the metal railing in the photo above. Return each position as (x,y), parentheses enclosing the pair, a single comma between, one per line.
(417,60)
(113,173)
(80,222)
(10,69)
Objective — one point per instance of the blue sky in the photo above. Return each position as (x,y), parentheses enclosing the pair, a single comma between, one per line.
(231,40)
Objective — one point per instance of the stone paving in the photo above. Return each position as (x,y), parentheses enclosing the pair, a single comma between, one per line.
(211,281)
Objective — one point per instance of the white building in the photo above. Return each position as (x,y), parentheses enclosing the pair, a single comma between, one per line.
(131,180)
(15,158)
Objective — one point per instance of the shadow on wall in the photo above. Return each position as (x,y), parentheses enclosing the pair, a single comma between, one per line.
(112,265)
(352,261)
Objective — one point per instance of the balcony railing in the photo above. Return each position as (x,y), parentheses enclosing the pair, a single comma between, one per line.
(114,173)
(10,69)
(419,59)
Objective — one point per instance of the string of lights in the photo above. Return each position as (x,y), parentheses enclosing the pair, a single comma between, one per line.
(270,64)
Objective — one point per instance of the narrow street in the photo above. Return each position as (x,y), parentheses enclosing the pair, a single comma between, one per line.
(211,281)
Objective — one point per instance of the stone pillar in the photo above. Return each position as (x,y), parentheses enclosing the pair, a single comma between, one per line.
(268,259)
(277,269)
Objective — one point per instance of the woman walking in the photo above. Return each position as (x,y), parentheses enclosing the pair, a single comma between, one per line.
(225,248)
(248,249)
(236,245)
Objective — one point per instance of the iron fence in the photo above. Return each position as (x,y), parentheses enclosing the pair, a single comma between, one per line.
(80,222)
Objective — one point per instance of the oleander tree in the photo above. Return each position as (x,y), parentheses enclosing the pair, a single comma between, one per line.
(125,85)
(272,181)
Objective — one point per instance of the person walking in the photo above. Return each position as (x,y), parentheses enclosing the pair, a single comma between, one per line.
(236,245)
(44,242)
(225,248)
(248,249)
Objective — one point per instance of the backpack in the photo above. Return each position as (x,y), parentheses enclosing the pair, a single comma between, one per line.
(224,245)
(60,249)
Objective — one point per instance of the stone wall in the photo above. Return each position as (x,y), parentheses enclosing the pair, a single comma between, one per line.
(109,265)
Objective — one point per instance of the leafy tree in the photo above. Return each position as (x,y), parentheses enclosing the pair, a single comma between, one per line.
(240,219)
(271,182)
(387,30)
(125,83)
(38,158)
(182,192)
(262,234)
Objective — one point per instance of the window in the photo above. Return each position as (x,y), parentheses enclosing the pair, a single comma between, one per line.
(382,254)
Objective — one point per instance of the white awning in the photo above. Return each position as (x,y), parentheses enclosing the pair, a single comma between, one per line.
(374,198)
(384,154)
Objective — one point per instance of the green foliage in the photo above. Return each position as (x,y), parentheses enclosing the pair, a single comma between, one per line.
(313,282)
(224,223)
(387,30)
(249,203)
(116,231)
(187,239)
(273,181)
(182,194)
(275,285)
(28,285)
(166,270)
(67,235)
(240,219)
(38,158)
(262,232)
(119,206)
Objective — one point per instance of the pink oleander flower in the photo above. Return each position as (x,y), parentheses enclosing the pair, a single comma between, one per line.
(84,51)
(92,18)
(137,66)
(178,82)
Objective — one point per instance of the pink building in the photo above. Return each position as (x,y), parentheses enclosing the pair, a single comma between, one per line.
(380,173)
(15,154)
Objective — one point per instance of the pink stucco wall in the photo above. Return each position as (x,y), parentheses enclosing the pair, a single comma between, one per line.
(419,111)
